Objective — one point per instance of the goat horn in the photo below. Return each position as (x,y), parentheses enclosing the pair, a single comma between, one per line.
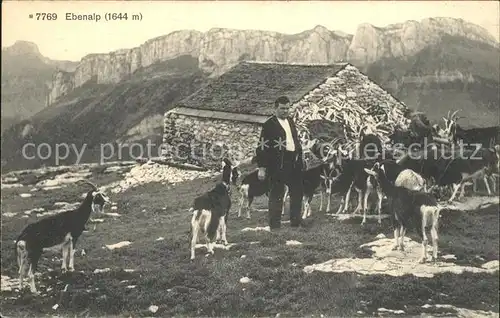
(418,113)
(341,147)
(334,179)
(336,140)
(400,160)
(91,184)
(454,113)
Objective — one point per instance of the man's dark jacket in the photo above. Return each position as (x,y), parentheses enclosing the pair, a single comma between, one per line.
(268,154)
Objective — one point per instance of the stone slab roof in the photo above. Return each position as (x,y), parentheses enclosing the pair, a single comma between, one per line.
(252,87)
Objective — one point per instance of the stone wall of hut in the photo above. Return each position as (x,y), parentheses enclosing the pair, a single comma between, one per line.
(205,141)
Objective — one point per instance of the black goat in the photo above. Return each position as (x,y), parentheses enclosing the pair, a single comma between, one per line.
(312,179)
(485,136)
(363,183)
(403,177)
(251,187)
(404,138)
(450,167)
(350,174)
(211,210)
(62,229)
(410,210)
(418,132)
(370,146)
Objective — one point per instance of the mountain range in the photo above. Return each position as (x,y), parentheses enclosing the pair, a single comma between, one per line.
(435,65)
(26,76)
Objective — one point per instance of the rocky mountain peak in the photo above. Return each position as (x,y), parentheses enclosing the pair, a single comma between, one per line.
(370,43)
(460,27)
(321,29)
(23,48)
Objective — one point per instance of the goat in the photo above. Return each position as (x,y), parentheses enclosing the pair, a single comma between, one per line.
(210,211)
(403,177)
(312,179)
(411,180)
(370,146)
(61,230)
(419,131)
(251,187)
(447,169)
(351,175)
(492,155)
(485,136)
(410,209)
(327,186)
(404,138)
(420,127)
(460,171)
(495,173)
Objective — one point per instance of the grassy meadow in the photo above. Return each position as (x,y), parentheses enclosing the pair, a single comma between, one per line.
(164,276)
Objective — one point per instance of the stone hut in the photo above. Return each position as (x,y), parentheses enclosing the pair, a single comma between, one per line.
(227,114)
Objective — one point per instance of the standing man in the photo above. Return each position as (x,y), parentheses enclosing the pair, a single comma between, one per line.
(279,158)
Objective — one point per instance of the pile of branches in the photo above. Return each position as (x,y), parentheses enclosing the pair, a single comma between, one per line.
(381,120)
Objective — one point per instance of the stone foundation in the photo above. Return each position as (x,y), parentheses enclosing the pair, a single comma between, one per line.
(205,141)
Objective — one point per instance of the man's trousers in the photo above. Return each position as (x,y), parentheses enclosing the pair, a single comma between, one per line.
(291,175)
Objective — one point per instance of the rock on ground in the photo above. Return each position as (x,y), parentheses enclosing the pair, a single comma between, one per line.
(397,263)
(154,172)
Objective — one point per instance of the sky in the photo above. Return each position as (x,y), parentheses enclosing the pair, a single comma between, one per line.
(71,40)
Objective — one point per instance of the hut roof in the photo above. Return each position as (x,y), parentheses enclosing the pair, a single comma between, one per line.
(252,87)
